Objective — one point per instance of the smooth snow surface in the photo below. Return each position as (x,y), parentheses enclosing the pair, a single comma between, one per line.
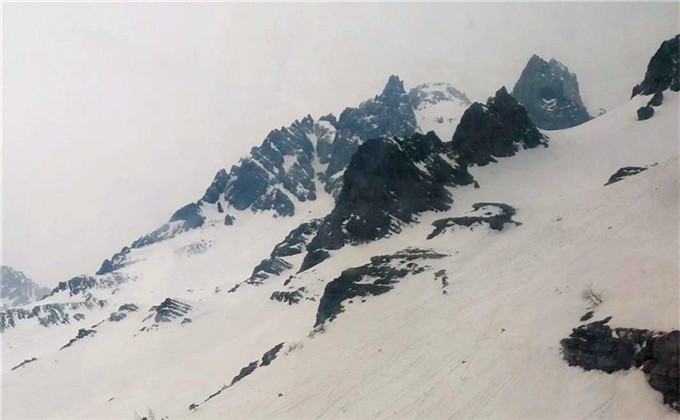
(488,348)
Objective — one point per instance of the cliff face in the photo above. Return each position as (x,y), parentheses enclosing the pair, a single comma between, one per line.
(550,94)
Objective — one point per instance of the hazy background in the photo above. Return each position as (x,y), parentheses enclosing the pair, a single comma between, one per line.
(115,115)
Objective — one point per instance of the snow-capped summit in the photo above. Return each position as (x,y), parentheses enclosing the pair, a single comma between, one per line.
(17,289)
(550,93)
(438,107)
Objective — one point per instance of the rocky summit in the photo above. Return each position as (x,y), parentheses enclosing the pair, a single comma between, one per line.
(16,289)
(498,129)
(551,95)
(663,70)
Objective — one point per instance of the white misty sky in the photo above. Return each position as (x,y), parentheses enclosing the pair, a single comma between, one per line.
(115,115)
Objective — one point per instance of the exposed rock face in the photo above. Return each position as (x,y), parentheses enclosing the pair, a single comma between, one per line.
(293,162)
(387,183)
(291,297)
(83,283)
(82,333)
(598,346)
(372,279)
(550,94)
(496,215)
(16,289)
(388,114)
(168,310)
(48,314)
(645,113)
(662,71)
(657,99)
(267,358)
(294,243)
(498,129)
(24,363)
(624,172)
(122,312)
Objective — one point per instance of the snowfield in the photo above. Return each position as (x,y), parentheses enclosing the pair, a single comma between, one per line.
(486,345)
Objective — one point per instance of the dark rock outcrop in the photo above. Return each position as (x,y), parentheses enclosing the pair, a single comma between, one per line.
(168,311)
(288,296)
(657,99)
(388,114)
(293,244)
(24,363)
(17,289)
(372,279)
(386,185)
(190,216)
(82,333)
(496,215)
(498,129)
(645,113)
(598,346)
(550,94)
(624,172)
(47,314)
(663,70)
(266,360)
(122,312)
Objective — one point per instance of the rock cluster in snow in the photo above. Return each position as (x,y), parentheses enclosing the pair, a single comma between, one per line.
(597,346)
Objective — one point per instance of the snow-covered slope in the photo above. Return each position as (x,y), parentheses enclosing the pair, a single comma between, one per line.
(438,108)
(468,325)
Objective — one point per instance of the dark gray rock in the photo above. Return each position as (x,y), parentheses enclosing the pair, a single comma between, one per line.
(82,333)
(624,172)
(190,215)
(290,297)
(372,279)
(598,346)
(24,363)
(662,367)
(550,94)
(662,70)
(389,114)
(229,220)
(386,185)
(122,312)
(496,215)
(498,129)
(645,113)
(212,194)
(271,354)
(657,99)
(167,311)
(47,314)
(17,289)
(293,244)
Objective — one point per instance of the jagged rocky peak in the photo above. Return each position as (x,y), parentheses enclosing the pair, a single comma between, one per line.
(498,129)
(389,114)
(387,183)
(663,71)
(394,86)
(17,289)
(550,94)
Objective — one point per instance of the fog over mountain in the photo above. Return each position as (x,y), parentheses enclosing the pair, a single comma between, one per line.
(115,115)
